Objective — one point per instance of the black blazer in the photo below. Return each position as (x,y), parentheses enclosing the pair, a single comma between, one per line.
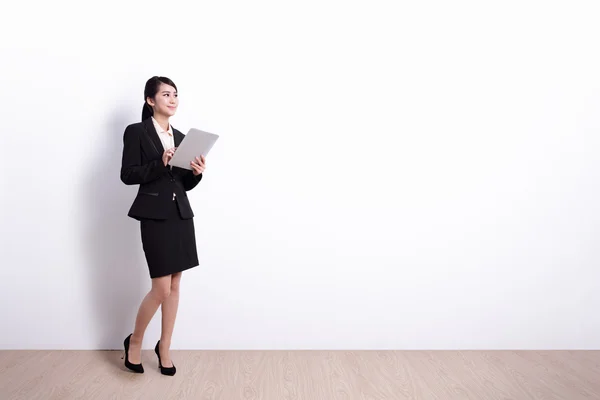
(142,165)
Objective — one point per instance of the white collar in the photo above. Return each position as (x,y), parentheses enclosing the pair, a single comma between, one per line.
(159,128)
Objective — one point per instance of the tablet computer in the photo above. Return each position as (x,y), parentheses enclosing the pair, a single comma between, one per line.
(194,144)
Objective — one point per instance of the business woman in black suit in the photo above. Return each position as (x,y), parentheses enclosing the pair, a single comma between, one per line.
(164,212)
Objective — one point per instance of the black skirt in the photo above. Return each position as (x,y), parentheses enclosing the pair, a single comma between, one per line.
(169,245)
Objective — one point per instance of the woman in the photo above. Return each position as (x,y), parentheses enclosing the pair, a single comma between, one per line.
(164,212)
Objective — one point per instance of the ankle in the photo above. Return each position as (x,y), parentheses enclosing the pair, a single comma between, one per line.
(163,347)
(136,341)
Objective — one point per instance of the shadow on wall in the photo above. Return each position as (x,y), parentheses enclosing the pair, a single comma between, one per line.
(118,276)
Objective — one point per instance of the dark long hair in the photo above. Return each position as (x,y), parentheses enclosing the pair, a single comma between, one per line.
(152,86)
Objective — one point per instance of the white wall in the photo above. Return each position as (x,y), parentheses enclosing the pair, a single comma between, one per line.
(389,175)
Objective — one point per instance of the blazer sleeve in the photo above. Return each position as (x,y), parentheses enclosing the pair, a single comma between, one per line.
(190,180)
(132,170)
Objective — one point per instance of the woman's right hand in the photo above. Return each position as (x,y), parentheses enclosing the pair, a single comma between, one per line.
(167,155)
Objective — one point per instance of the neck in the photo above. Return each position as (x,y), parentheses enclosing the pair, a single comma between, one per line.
(163,121)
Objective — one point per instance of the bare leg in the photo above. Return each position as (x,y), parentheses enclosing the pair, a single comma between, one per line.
(161,288)
(169,313)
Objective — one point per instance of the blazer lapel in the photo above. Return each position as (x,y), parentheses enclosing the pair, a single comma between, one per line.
(177,137)
(153,136)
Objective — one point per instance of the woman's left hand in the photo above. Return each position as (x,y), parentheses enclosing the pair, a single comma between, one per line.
(198,165)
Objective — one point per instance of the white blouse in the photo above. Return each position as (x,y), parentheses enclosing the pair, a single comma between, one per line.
(166,137)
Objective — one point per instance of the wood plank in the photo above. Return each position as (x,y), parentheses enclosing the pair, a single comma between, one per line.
(296,375)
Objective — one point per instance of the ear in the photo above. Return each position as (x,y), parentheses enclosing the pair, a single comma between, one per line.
(150,102)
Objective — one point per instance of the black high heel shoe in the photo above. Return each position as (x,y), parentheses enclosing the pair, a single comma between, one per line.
(164,370)
(134,367)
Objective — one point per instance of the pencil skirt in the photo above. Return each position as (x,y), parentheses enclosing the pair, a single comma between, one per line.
(170,244)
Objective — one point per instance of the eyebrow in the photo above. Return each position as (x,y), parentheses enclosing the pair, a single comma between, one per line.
(168,91)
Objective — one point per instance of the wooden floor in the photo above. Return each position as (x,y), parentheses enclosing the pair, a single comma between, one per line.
(304,375)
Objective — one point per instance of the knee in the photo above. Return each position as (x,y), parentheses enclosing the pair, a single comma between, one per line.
(174,287)
(161,293)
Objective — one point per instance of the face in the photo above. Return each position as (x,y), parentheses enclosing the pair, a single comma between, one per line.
(166,101)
